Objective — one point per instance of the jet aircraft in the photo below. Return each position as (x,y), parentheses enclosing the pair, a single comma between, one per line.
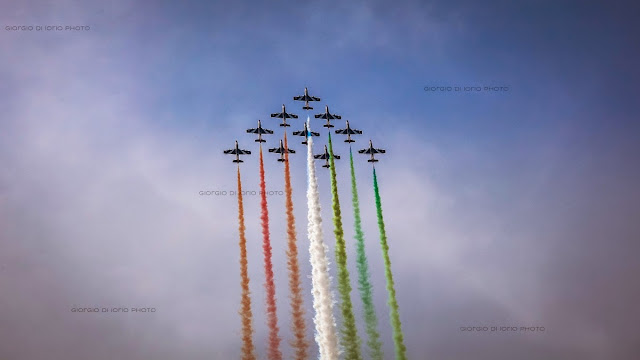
(281,150)
(349,131)
(306,98)
(284,116)
(306,133)
(260,131)
(237,152)
(371,150)
(325,156)
(327,116)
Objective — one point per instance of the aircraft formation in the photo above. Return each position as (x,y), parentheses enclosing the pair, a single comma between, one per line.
(284,116)
(330,341)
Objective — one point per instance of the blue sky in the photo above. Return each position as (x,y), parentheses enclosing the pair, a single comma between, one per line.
(517,207)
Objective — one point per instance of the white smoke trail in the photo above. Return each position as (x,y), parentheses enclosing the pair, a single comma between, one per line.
(326,333)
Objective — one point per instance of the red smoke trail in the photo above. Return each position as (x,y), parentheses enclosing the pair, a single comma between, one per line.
(300,343)
(272,317)
(245,311)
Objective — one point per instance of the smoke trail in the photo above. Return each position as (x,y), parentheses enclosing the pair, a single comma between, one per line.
(245,311)
(371,320)
(324,321)
(300,343)
(398,338)
(350,339)
(272,318)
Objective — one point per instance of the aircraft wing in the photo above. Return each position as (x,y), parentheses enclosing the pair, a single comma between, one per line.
(293,116)
(359,132)
(336,156)
(278,115)
(237,152)
(276,150)
(341,131)
(313,98)
(314,133)
(252,131)
(320,116)
(299,98)
(321,156)
(298,133)
(291,151)
(372,151)
(267,131)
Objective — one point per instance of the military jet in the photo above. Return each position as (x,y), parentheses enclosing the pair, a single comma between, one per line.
(284,116)
(306,133)
(327,116)
(281,150)
(325,156)
(349,131)
(237,152)
(371,150)
(260,131)
(306,98)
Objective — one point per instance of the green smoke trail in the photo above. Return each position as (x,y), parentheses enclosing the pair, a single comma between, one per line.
(371,320)
(350,339)
(398,338)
